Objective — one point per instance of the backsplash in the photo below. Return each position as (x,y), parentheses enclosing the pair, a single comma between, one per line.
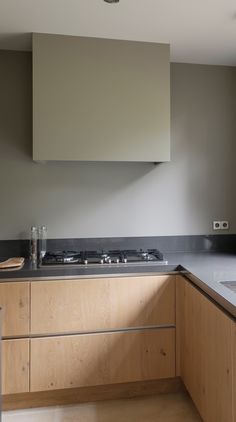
(166,244)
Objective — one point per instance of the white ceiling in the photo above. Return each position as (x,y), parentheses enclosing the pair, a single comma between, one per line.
(199,31)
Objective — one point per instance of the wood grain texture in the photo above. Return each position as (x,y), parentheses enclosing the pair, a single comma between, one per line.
(84,360)
(233,327)
(92,394)
(15,366)
(102,304)
(14,300)
(208,359)
(180,318)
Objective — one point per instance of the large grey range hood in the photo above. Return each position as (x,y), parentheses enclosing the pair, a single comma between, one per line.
(100,99)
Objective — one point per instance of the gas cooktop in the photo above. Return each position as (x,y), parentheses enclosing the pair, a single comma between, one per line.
(112,257)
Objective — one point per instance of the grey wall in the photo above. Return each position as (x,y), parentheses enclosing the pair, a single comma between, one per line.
(111,199)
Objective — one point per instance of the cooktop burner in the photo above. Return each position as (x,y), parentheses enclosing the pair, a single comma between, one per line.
(61,257)
(103,257)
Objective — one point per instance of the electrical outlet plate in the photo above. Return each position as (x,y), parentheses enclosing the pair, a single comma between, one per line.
(221,225)
(216,225)
(225,225)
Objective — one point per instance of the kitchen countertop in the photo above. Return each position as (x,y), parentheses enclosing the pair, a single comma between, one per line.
(206,269)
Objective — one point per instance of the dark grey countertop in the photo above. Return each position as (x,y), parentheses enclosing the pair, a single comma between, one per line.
(206,269)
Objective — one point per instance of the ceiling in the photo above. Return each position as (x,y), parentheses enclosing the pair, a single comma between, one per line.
(199,31)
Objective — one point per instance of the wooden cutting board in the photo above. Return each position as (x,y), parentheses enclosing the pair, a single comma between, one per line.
(12,263)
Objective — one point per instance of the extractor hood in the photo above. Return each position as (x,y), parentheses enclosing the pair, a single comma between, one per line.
(100,99)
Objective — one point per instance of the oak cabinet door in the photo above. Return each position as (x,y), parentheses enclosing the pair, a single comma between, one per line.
(15,366)
(234,371)
(99,359)
(14,300)
(206,348)
(88,305)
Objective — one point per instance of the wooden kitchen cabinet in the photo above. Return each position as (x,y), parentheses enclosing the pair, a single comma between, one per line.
(14,300)
(234,372)
(205,353)
(201,349)
(99,359)
(15,366)
(86,305)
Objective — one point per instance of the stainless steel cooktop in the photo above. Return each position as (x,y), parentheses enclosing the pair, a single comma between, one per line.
(111,257)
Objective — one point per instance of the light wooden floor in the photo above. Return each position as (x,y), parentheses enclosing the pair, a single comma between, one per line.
(161,408)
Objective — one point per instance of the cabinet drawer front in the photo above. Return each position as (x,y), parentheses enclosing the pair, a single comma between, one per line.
(102,304)
(99,359)
(15,366)
(14,300)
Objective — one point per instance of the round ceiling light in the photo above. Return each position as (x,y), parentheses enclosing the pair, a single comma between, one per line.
(112,1)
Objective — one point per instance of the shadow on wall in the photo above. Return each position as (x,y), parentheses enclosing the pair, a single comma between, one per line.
(15,104)
(23,41)
(204,121)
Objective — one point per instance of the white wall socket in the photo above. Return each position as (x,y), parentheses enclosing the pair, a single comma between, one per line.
(225,225)
(216,225)
(221,225)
